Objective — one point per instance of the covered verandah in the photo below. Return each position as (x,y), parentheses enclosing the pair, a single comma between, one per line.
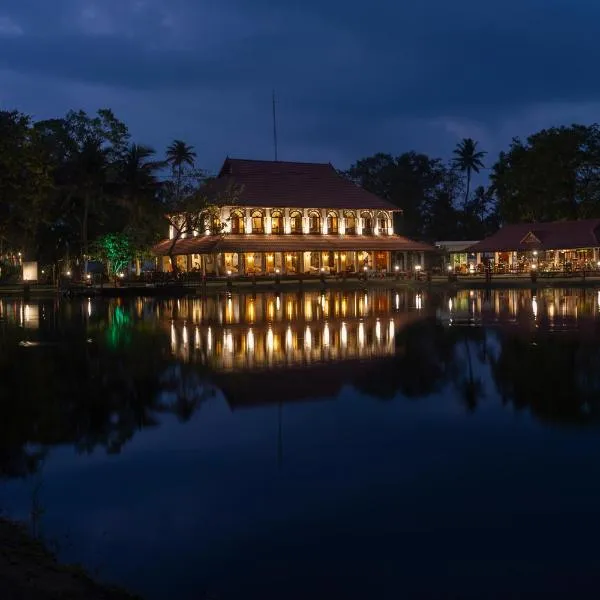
(232,255)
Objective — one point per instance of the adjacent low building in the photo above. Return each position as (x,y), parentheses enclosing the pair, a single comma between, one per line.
(559,246)
(295,218)
(456,255)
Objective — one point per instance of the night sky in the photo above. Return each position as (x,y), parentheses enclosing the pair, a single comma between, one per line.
(352,78)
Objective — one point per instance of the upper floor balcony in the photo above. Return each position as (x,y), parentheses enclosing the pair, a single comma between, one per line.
(265,221)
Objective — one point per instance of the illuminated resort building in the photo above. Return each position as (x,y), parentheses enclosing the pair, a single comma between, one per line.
(293,218)
(555,246)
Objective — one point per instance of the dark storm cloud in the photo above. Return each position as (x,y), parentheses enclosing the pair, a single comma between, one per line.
(348,75)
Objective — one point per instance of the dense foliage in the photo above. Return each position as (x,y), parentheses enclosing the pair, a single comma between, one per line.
(70,185)
(67,183)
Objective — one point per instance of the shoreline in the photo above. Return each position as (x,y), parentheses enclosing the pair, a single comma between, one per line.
(223,286)
(29,570)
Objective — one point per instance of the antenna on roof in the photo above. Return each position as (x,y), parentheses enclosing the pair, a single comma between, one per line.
(274,127)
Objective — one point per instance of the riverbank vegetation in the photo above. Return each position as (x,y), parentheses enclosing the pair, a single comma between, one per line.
(69,184)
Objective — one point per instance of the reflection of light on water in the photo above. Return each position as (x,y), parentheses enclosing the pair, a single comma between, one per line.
(307,338)
(270,340)
(397,301)
(378,331)
(185,335)
(289,309)
(173,337)
(229,310)
(288,338)
(277,303)
(344,335)
(551,310)
(229,342)
(326,335)
(270,310)
(361,334)
(89,308)
(250,340)
(419,301)
(450,304)
(308,309)
(209,340)
(534,306)
(344,307)
(392,331)
(197,338)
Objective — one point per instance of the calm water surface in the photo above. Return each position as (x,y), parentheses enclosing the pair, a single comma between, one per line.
(355,445)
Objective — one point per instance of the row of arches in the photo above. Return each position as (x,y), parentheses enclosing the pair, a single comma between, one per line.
(257,219)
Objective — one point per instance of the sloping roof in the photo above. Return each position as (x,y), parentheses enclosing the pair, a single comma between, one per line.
(295,185)
(557,235)
(206,244)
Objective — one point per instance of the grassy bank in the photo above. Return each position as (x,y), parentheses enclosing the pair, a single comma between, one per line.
(29,570)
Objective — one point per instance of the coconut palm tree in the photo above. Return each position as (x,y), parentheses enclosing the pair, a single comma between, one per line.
(137,188)
(468,159)
(180,154)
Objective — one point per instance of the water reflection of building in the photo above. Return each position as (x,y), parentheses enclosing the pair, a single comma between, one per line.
(551,307)
(24,314)
(247,331)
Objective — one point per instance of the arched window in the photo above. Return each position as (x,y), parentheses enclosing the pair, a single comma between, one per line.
(258,222)
(314,222)
(332,222)
(367,223)
(382,223)
(350,222)
(276,222)
(296,222)
(237,222)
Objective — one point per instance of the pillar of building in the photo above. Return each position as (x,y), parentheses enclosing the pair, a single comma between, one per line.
(248,220)
(389,262)
(268,221)
(218,264)
(405,261)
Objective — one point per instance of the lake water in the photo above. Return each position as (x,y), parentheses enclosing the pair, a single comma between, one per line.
(380,444)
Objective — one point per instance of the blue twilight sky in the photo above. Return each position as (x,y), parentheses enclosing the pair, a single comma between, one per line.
(352,78)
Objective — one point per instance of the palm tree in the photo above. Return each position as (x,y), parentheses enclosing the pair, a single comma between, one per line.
(137,189)
(180,154)
(468,159)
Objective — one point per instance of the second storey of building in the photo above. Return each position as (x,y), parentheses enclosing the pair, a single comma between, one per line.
(274,197)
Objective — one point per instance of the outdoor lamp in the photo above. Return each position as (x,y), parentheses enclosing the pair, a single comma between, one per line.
(396,268)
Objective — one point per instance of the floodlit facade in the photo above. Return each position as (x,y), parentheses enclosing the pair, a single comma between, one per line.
(294,218)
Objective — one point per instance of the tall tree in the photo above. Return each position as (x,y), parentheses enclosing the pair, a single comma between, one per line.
(468,159)
(422,187)
(137,189)
(554,174)
(179,156)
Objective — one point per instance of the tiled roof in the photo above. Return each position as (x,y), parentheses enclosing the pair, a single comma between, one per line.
(207,244)
(295,185)
(557,235)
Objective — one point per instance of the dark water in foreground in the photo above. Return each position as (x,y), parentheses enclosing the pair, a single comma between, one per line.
(380,445)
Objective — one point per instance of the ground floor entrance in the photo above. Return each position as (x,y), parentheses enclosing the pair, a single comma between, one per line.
(309,262)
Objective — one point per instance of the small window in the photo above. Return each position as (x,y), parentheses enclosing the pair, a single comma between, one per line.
(367,223)
(237,222)
(276,222)
(332,223)
(258,222)
(350,223)
(296,222)
(383,224)
(314,223)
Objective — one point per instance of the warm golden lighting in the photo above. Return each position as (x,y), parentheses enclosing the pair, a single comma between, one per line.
(197,338)
(361,335)
(344,335)
(326,335)
(397,299)
(534,306)
(419,302)
(209,340)
(307,338)
(250,341)
(185,335)
(378,331)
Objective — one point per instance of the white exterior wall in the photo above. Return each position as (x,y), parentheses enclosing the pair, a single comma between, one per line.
(225,214)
